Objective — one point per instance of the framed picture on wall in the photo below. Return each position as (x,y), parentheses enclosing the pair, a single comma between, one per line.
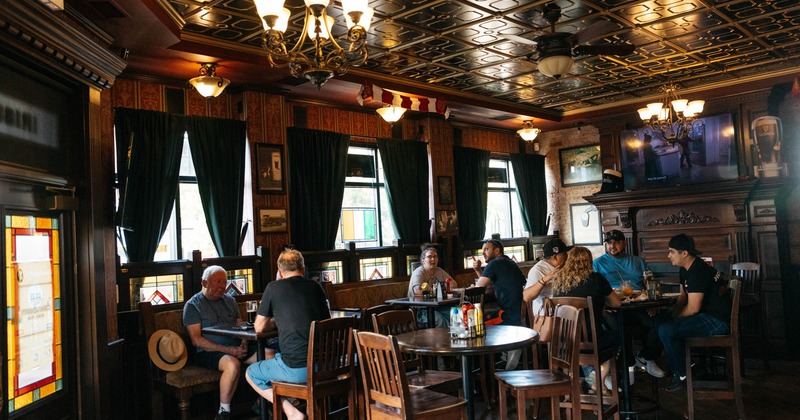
(585,222)
(272,221)
(269,167)
(445,190)
(580,165)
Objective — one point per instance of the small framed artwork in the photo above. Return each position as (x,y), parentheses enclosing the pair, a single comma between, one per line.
(585,221)
(580,165)
(446,221)
(269,164)
(272,221)
(445,190)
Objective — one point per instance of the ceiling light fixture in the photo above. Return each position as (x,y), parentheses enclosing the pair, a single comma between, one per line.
(528,132)
(391,113)
(325,62)
(673,118)
(208,84)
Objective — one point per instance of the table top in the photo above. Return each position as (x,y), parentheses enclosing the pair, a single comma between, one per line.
(239,330)
(419,301)
(437,341)
(635,304)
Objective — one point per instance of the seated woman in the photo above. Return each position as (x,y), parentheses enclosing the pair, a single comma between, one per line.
(576,278)
(429,273)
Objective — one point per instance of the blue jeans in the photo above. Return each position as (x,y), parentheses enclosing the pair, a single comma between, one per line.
(264,372)
(674,333)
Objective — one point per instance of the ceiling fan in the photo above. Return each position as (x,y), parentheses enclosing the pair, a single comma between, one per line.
(554,50)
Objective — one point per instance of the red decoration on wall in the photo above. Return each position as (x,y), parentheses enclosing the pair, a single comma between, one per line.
(372,92)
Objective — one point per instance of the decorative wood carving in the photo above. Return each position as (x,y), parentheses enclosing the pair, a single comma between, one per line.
(739,211)
(683,217)
(624,218)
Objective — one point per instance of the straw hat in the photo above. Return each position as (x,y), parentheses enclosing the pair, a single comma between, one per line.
(167,350)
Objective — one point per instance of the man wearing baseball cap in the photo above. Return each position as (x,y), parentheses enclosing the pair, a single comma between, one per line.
(537,286)
(702,309)
(616,265)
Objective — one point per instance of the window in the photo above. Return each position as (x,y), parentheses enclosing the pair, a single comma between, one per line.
(187,229)
(503,213)
(366,218)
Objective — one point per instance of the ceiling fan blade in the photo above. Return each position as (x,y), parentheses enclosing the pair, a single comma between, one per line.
(596,30)
(605,49)
(519,39)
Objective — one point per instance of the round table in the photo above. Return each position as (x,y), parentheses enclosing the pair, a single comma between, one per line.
(437,342)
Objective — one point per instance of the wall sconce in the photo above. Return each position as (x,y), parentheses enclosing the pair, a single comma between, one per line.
(208,84)
(391,113)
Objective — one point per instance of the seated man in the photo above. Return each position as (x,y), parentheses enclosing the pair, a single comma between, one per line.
(290,305)
(703,308)
(212,306)
(616,265)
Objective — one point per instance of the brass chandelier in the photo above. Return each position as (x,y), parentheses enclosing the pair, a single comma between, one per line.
(673,118)
(328,58)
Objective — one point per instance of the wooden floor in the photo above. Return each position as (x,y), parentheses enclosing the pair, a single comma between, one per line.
(772,395)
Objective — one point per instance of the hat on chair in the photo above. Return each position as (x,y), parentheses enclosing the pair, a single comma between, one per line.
(167,350)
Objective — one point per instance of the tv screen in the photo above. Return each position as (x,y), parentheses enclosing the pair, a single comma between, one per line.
(708,154)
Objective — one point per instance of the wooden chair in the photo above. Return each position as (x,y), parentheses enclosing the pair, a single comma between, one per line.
(330,370)
(539,349)
(366,323)
(562,378)
(751,302)
(591,355)
(722,390)
(183,383)
(386,385)
(400,321)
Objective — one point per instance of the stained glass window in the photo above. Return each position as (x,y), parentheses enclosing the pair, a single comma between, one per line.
(33,309)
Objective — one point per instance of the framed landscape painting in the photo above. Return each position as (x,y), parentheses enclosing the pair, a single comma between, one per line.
(580,165)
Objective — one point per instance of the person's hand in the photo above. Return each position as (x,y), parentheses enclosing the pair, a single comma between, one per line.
(237,351)
(476,264)
(652,312)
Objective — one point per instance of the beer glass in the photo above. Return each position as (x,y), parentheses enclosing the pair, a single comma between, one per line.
(252,307)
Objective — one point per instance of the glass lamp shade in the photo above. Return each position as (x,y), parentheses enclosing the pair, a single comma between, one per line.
(209,86)
(528,134)
(391,113)
(644,113)
(555,65)
(269,7)
(364,21)
(281,23)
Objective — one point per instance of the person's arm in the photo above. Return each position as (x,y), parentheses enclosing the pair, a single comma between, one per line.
(264,324)
(200,342)
(613,300)
(484,282)
(477,266)
(532,292)
(692,307)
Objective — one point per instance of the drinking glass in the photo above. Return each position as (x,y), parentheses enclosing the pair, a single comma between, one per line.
(627,288)
(252,307)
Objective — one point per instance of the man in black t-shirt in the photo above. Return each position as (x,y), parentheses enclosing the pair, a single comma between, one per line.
(290,305)
(703,308)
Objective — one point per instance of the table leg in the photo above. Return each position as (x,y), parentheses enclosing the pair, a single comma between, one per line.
(431,317)
(466,383)
(261,400)
(626,382)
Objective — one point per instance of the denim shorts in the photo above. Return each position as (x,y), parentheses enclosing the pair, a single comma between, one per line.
(264,372)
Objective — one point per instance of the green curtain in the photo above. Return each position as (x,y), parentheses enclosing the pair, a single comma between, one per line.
(532,191)
(317,167)
(472,190)
(405,165)
(218,154)
(148,179)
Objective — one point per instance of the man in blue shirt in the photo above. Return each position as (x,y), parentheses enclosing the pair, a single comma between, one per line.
(616,265)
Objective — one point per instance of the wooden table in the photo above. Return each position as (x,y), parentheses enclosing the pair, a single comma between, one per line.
(437,342)
(430,303)
(627,410)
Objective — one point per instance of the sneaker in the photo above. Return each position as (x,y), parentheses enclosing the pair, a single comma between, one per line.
(649,366)
(223,415)
(678,382)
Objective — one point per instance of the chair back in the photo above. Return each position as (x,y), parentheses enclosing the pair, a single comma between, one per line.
(588,343)
(331,350)
(165,317)
(750,273)
(384,376)
(735,286)
(565,343)
(473,295)
(397,322)
(367,313)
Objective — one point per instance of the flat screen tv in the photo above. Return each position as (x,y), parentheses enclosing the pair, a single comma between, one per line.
(709,155)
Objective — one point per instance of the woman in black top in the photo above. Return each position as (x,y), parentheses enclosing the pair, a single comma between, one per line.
(577,279)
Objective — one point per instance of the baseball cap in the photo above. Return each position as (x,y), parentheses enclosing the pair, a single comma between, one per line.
(684,242)
(614,235)
(554,246)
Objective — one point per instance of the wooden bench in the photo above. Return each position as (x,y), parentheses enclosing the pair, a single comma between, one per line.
(189,380)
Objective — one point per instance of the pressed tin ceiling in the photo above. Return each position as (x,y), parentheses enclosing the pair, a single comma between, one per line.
(477,53)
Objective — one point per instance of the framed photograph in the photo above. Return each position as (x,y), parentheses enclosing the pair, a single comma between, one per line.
(585,221)
(272,221)
(580,165)
(445,190)
(269,167)
(446,221)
